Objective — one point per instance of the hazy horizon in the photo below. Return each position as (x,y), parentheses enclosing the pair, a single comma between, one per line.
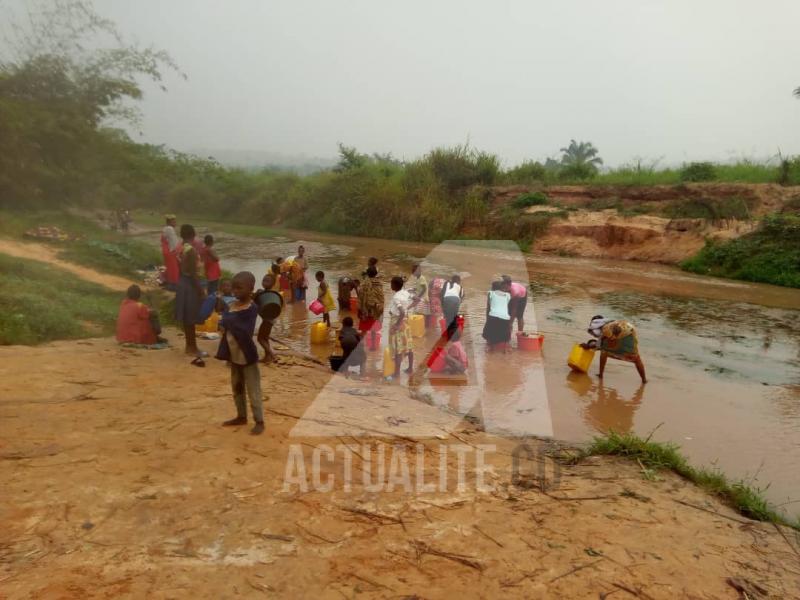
(675,81)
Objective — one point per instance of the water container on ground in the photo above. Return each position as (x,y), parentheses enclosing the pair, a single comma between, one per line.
(531,342)
(319,333)
(388,363)
(417,324)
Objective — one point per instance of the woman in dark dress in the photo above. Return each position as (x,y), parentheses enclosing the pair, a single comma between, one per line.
(190,292)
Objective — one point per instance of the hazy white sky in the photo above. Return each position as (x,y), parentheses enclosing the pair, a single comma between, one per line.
(679,79)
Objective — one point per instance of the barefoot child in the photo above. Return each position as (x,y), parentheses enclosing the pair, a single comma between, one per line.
(237,348)
(324,295)
(265,329)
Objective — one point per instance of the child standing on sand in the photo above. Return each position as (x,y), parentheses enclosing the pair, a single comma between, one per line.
(237,347)
(324,295)
(211,264)
(265,329)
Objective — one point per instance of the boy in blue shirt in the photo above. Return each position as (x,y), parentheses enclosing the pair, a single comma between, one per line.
(237,347)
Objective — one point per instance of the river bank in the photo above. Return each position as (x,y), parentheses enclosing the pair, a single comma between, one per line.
(722,356)
(119,480)
(714,229)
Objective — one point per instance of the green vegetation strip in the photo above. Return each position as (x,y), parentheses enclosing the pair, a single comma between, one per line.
(771,254)
(89,244)
(745,499)
(42,303)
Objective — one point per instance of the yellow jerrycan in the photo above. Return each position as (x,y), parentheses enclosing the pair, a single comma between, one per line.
(388,362)
(319,333)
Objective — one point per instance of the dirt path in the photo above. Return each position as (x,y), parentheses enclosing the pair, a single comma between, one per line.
(118,481)
(49,255)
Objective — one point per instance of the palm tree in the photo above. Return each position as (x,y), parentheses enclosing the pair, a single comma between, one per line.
(580,157)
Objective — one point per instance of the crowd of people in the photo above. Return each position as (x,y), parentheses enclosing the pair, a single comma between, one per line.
(192,270)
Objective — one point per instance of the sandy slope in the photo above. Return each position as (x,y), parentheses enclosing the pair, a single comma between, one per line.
(118,481)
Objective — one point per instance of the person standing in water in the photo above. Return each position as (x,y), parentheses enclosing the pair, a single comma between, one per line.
(371,263)
(169,248)
(420,293)
(452,296)
(325,297)
(519,300)
(617,339)
(370,304)
(299,280)
(400,341)
(497,330)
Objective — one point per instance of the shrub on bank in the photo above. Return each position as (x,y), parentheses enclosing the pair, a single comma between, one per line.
(530,199)
(769,255)
(698,171)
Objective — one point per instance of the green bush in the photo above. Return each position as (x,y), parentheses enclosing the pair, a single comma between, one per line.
(769,255)
(530,199)
(526,173)
(698,171)
(708,208)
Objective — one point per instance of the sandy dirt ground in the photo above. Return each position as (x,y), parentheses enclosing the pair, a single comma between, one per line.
(118,481)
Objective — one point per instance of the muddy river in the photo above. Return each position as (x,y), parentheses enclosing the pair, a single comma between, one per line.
(722,357)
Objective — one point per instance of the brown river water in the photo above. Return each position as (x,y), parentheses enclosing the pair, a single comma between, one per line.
(722,357)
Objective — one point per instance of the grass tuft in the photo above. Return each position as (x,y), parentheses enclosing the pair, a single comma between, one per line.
(741,496)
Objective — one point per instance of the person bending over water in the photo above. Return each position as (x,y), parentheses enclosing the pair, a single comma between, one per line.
(617,339)
(451,298)
(497,329)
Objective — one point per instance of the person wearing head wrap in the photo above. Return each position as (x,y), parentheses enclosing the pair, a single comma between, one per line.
(169,249)
(617,339)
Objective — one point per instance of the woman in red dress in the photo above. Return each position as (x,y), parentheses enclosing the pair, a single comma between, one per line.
(169,249)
